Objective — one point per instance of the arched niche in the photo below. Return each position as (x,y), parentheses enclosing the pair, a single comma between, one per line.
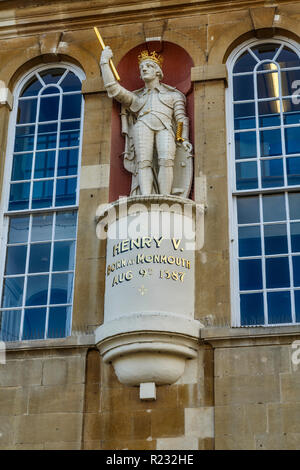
(177,72)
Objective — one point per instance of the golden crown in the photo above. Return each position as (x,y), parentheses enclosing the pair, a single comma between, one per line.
(144,55)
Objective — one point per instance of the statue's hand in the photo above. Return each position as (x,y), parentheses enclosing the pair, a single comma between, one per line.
(187,146)
(106,55)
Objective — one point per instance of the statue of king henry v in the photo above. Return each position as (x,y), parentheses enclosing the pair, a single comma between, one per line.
(150,117)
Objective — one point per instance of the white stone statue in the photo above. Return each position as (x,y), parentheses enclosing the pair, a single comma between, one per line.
(156,129)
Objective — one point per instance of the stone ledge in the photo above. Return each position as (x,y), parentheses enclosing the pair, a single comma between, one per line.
(204,73)
(83,340)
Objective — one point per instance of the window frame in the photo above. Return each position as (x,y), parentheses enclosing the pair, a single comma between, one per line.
(233,193)
(5,213)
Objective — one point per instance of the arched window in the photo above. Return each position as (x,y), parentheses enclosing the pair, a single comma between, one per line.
(39,204)
(264,165)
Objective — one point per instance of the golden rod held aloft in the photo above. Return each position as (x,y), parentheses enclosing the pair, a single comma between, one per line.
(113,68)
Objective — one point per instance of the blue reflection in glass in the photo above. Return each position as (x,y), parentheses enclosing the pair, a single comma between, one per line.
(24,138)
(18,230)
(42,194)
(279,307)
(37,290)
(32,87)
(71,83)
(243,87)
(70,125)
(288,58)
(47,134)
(297,304)
(245,63)
(69,138)
(250,274)
(52,75)
(294,205)
(293,170)
(15,259)
(21,169)
(34,323)
(10,321)
(295,236)
(63,258)
(245,145)
(44,164)
(291,108)
(26,111)
(272,173)
(67,162)
(249,241)
(65,225)
(265,51)
(274,208)
(66,192)
(244,116)
(275,239)
(71,107)
(246,175)
(277,272)
(12,292)
(269,113)
(49,109)
(19,196)
(41,227)
(292,140)
(296,270)
(39,260)
(248,210)
(61,288)
(270,143)
(50,90)
(58,325)
(289,79)
(252,309)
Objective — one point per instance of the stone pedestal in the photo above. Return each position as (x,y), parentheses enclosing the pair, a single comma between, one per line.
(149,329)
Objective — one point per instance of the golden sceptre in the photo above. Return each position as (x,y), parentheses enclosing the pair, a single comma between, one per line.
(179,137)
(113,68)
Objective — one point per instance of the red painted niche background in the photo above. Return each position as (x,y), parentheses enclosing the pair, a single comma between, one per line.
(177,72)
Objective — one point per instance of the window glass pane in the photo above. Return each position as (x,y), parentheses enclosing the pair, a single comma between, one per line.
(41,227)
(15,259)
(292,140)
(294,205)
(10,321)
(288,58)
(47,134)
(245,145)
(297,305)
(291,110)
(274,208)
(42,194)
(69,138)
(66,192)
(272,173)
(32,87)
(249,241)
(267,85)
(269,113)
(37,290)
(250,274)
(44,164)
(270,143)
(248,210)
(64,253)
(21,169)
(65,225)
(49,109)
(265,51)
(26,111)
(61,288)
(50,90)
(70,83)
(246,175)
(275,239)
(295,236)
(12,292)
(58,322)
(244,116)
(293,170)
(18,230)
(288,81)
(71,107)
(243,87)
(67,162)
(252,309)
(279,307)
(277,272)
(19,196)
(296,270)
(34,323)
(245,63)
(24,138)
(52,75)
(39,261)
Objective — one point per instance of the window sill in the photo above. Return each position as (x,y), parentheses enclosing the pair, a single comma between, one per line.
(83,340)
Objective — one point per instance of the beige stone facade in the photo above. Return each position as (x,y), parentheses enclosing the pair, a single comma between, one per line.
(242,391)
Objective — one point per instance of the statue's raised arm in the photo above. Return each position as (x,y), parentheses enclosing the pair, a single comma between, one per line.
(155,125)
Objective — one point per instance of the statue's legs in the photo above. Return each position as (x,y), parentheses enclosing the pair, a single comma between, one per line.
(143,139)
(166,149)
